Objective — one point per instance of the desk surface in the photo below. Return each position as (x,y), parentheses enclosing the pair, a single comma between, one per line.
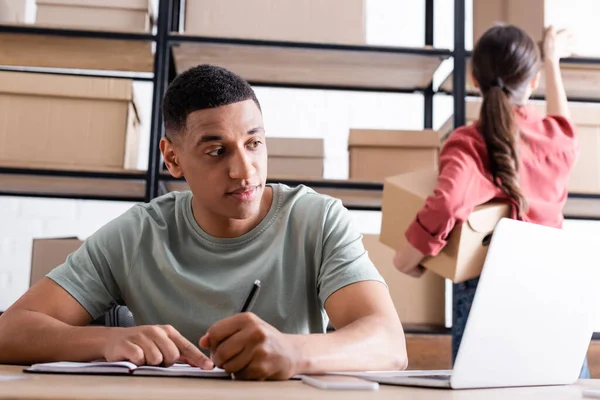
(47,386)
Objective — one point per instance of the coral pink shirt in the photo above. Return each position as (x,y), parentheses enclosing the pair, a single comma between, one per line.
(548,149)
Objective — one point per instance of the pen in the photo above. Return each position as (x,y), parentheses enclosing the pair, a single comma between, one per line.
(251,297)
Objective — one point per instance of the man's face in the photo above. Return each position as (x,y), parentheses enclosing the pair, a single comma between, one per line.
(223,156)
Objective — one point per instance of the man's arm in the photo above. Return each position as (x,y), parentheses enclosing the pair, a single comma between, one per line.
(368,336)
(47,324)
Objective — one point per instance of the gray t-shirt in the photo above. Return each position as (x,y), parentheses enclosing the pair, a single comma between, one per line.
(157,260)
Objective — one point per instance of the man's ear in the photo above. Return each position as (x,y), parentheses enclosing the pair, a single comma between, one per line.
(169,152)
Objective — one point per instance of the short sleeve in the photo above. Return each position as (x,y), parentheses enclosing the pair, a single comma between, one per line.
(560,125)
(563,134)
(344,258)
(95,274)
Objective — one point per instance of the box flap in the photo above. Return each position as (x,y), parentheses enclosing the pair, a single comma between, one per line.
(421,183)
(25,83)
(463,256)
(124,4)
(295,147)
(484,218)
(393,138)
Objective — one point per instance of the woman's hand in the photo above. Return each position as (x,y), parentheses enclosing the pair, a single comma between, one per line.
(557,44)
(407,260)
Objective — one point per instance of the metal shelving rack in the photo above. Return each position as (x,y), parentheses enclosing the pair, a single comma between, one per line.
(146,185)
(78,184)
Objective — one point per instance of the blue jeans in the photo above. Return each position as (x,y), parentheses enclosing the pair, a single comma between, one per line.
(462,298)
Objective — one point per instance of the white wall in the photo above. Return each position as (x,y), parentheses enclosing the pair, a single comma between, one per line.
(580,17)
(330,114)
(26,218)
(315,113)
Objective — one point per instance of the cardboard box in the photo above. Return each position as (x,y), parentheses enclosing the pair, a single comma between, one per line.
(585,175)
(298,158)
(67,122)
(12,11)
(376,154)
(48,254)
(321,21)
(466,248)
(418,301)
(119,15)
(527,15)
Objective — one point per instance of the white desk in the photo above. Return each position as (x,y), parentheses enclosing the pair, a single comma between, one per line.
(47,386)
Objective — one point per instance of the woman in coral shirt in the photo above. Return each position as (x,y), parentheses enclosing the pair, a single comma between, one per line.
(511,153)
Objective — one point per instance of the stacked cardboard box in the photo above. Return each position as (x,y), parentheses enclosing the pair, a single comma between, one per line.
(67,122)
(13,11)
(376,154)
(119,15)
(418,301)
(321,21)
(295,158)
(529,15)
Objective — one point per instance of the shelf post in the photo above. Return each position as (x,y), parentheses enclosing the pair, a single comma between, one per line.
(161,73)
(459,82)
(460,64)
(176,15)
(428,94)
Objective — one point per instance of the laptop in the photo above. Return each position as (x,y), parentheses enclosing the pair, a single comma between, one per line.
(533,315)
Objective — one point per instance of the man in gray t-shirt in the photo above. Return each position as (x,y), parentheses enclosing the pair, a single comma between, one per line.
(185,263)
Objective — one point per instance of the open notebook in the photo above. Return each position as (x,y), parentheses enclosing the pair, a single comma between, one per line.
(125,368)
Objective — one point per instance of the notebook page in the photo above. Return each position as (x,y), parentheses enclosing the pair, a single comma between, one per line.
(181,370)
(120,367)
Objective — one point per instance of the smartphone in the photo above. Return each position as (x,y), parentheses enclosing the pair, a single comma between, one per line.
(339,382)
(591,393)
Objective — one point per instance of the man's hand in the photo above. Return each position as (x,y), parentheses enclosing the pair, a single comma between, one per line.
(249,348)
(153,345)
(407,260)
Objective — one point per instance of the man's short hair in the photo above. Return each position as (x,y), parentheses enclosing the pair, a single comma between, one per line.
(199,88)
